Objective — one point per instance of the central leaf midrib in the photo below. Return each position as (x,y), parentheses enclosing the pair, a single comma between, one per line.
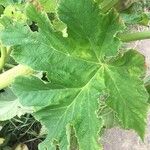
(74,101)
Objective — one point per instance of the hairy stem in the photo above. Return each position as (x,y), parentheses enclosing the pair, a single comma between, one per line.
(3,57)
(107,5)
(8,77)
(5,52)
(129,37)
(8,51)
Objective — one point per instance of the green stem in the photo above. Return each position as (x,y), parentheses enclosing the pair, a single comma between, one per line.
(108,4)
(129,37)
(9,76)
(3,57)
(8,51)
(7,65)
(5,52)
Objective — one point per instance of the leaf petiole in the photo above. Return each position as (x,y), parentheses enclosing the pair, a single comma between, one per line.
(3,57)
(5,52)
(129,37)
(107,5)
(9,76)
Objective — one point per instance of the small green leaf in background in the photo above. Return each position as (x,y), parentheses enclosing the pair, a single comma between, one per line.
(15,12)
(10,106)
(49,5)
(137,14)
(142,19)
(147,85)
(8,2)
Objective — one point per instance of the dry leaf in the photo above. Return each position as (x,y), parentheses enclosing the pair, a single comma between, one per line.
(2,141)
(21,147)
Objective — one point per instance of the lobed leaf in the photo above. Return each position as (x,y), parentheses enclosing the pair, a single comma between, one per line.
(84,70)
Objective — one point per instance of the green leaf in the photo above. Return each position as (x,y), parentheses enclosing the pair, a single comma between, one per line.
(142,19)
(84,70)
(120,82)
(49,5)
(147,85)
(10,106)
(16,12)
(5,2)
(137,13)
(8,2)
